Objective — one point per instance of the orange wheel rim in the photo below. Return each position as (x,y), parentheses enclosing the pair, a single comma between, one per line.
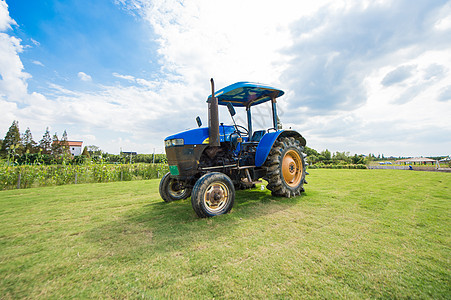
(216,196)
(174,188)
(292,168)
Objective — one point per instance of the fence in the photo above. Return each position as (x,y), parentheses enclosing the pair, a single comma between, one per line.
(390,167)
(414,168)
(27,176)
(347,166)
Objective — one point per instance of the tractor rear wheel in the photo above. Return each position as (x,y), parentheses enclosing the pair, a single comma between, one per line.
(172,189)
(286,168)
(213,194)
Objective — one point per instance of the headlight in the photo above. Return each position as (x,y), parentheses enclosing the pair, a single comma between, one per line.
(174,142)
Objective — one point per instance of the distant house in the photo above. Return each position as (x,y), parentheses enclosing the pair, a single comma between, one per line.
(129,153)
(417,160)
(75,147)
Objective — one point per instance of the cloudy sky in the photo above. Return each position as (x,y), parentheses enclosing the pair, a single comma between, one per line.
(359,76)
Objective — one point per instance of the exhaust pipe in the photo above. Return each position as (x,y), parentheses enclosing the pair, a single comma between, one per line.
(213,118)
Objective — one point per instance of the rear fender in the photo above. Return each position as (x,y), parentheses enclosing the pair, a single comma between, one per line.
(267,141)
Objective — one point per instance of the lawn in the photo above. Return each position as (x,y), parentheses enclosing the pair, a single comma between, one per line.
(352,234)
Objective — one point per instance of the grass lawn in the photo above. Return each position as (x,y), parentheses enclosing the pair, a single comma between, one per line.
(352,234)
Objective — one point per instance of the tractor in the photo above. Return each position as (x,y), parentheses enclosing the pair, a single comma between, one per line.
(210,163)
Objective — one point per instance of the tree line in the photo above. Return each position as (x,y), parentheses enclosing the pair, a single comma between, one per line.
(328,158)
(17,147)
(21,148)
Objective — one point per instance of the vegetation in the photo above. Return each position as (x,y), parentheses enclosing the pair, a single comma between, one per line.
(337,160)
(138,158)
(17,148)
(352,234)
(22,149)
(26,176)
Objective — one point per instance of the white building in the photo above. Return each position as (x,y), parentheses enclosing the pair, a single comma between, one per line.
(75,147)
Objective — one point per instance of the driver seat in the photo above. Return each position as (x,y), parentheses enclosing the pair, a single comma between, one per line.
(257,135)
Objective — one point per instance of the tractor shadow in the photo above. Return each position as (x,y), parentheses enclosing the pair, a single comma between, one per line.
(162,227)
(255,203)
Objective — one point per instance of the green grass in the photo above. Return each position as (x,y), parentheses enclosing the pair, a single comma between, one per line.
(353,234)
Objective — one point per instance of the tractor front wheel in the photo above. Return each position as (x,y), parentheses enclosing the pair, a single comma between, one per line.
(213,194)
(286,168)
(172,189)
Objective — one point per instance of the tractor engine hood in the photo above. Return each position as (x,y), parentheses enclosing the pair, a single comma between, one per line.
(198,136)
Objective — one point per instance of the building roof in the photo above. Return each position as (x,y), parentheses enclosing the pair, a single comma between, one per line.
(75,143)
(417,159)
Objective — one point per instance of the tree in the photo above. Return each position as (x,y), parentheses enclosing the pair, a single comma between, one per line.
(12,142)
(45,144)
(57,148)
(65,145)
(85,152)
(358,159)
(29,145)
(310,151)
(327,155)
(341,156)
(94,152)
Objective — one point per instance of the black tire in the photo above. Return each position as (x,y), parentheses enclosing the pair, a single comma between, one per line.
(213,195)
(172,189)
(286,168)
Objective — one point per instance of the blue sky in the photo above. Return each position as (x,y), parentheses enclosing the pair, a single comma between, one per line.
(359,76)
(68,36)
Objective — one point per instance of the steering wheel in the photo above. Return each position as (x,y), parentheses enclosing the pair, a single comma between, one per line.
(244,131)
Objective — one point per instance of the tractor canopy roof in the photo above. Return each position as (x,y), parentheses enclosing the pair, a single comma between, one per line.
(246,94)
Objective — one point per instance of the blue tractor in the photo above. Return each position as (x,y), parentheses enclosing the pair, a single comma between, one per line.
(210,163)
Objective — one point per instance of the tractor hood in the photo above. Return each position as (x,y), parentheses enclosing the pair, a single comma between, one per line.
(200,135)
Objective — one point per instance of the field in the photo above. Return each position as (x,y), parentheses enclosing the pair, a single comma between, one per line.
(353,234)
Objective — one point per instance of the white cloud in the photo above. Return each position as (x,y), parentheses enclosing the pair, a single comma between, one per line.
(139,81)
(13,79)
(5,19)
(36,43)
(387,77)
(38,63)
(443,21)
(126,77)
(202,39)
(84,77)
